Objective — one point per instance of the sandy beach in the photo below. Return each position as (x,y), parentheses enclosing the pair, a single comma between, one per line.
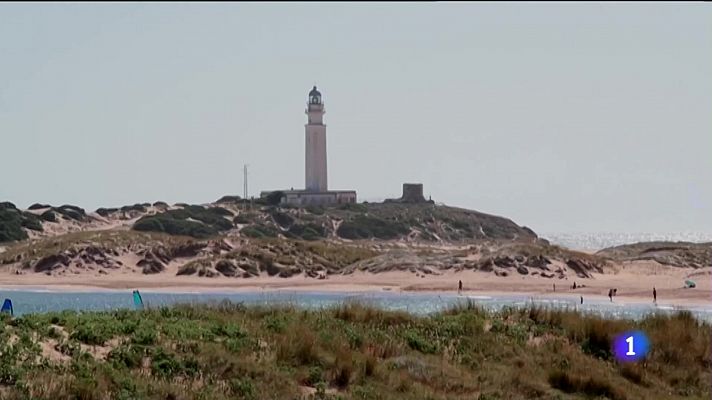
(634,283)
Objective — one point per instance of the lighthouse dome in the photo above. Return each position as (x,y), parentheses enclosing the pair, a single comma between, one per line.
(314,96)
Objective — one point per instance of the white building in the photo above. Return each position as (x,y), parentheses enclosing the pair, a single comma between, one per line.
(315,173)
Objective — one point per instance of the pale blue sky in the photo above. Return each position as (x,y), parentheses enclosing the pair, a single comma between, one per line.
(563,117)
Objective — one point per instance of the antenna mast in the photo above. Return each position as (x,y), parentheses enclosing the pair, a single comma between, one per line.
(244,180)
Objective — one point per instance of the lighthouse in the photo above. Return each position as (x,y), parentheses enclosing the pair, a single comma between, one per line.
(316,190)
(315,144)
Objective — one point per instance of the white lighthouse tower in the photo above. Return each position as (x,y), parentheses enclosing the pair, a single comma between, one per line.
(316,191)
(315,173)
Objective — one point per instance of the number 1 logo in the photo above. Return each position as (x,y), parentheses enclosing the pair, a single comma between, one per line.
(630,346)
(630,352)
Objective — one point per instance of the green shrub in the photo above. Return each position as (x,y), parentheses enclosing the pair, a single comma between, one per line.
(306,232)
(417,342)
(366,227)
(274,198)
(230,330)
(275,323)
(126,356)
(175,227)
(150,224)
(31,221)
(229,199)
(245,218)
(175,222)
(105,212)
(11,223)
(220,211)
(92,333)
(282,219)
(258,231)
(316,210)
(243,389)
(361,208)
(49,216)
(145,335)
(135,207)
(71,212)
(165,365)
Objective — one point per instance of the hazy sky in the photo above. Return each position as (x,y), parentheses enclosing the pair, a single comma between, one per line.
(562,117)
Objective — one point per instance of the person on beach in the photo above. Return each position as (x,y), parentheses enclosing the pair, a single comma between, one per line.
(655,296)
(574,285)
(459,287)
(581,299)
(610,294)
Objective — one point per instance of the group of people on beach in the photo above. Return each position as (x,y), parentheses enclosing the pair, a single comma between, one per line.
(611,292)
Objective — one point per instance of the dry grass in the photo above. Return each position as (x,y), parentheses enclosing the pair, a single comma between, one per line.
(228,351)
(45,246)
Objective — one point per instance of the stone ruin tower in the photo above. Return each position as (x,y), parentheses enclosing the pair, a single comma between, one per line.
(412,193)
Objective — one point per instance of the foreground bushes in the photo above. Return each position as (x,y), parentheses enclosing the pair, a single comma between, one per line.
(227,351)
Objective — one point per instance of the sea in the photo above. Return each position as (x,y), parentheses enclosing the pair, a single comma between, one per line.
(38,301)
(594,241)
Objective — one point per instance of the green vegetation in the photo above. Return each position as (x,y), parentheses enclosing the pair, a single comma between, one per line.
(227,351)
(135,207)
(138,207)
(230,199)
(282,219)
(366,227)
(105,212)
(49,216)
(38,206)
(259,231)
(308,231)
(71,212)
(316,210)
(246,218)
(175,227)
(194,221)
(377,221)
(12,222)
(272,199)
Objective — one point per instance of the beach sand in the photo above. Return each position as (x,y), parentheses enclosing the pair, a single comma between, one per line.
(634,281)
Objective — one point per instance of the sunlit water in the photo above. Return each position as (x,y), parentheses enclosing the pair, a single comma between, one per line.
(595,241)
(25,301)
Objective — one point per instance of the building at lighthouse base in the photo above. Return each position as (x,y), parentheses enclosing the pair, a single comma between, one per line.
(307,198)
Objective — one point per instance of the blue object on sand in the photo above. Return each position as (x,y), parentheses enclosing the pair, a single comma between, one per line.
(7,307)
(138,301)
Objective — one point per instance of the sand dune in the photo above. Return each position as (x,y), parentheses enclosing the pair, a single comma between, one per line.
(633,282)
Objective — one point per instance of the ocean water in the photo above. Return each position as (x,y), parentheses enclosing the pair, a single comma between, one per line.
(27,301)
(594,241)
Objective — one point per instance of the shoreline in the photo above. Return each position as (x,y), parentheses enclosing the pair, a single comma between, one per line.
(633,290)
(474,295)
